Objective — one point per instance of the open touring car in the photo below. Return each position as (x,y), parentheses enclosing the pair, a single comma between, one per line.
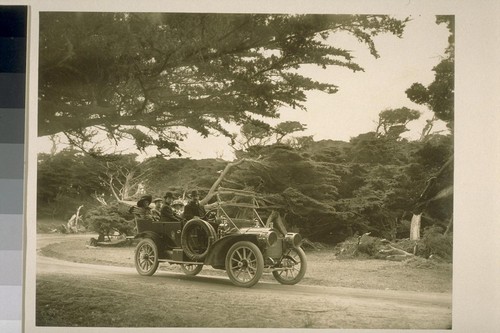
(232,237)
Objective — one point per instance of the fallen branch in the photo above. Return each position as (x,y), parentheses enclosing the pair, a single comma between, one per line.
(395,254)
(394,250)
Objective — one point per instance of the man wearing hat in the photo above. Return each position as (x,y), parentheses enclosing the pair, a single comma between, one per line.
(193,207)
(167,213)
(142,210)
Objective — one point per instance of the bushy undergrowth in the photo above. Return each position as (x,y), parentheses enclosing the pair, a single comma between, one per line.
(108,219)
(355,247)
(433,245)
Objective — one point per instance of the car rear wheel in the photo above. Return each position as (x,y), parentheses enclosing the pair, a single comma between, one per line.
(191,269)
(244,264)
(294,266)
(146,257)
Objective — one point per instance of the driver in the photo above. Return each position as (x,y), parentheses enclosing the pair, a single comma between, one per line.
(193,207)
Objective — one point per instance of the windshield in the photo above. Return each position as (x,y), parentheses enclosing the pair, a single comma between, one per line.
(239,208)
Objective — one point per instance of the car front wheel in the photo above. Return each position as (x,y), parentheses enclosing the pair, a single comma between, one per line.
(146,257)
(293,266)
(244,264)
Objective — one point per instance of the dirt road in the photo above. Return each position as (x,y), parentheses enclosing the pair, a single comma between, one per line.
(174,300)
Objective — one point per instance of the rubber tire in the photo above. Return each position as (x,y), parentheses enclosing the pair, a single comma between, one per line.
(146,247)
(302,270)
(238,249)
(197,269)
(211,235)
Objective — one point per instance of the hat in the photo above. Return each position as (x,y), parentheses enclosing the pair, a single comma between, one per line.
(157,199)
(169,195)
(178,203)
(144,198)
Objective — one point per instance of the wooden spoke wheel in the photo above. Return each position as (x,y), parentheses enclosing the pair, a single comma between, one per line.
(244,264)
(191,269)
(293,265)
(146,257)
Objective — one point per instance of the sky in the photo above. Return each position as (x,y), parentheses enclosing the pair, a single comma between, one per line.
(355,107)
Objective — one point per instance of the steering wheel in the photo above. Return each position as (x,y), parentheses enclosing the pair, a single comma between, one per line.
(210,215)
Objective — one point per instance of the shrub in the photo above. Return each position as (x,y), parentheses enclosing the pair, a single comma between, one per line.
(369,245)
(358,246)
(435,243)
(108,219)
(347,249)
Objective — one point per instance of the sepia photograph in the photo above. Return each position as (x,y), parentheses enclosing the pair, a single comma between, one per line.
(201,169)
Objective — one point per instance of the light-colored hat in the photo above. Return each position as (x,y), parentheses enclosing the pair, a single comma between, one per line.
(178,202)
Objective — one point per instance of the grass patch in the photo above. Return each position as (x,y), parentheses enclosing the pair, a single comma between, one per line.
(54,308)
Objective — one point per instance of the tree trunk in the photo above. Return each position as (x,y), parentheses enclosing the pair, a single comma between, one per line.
(77,216)
(223,174)
(72,225)
(415,227)
(216,184)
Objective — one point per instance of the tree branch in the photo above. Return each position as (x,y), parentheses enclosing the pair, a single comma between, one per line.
(216,184)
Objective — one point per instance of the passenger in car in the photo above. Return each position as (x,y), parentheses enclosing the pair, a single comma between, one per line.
(142,211)
(167,213)
(178,207)
(156,210)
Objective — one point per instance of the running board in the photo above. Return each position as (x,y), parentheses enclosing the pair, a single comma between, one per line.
(180,262)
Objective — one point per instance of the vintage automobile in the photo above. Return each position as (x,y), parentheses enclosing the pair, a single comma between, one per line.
(231,237)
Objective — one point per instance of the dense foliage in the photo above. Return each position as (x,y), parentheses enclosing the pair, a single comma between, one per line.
(108,219)
(440,94)
(65,181)
(142,75)
(329,190)
(334,189)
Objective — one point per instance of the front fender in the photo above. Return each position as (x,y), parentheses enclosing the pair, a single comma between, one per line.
(217,253)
